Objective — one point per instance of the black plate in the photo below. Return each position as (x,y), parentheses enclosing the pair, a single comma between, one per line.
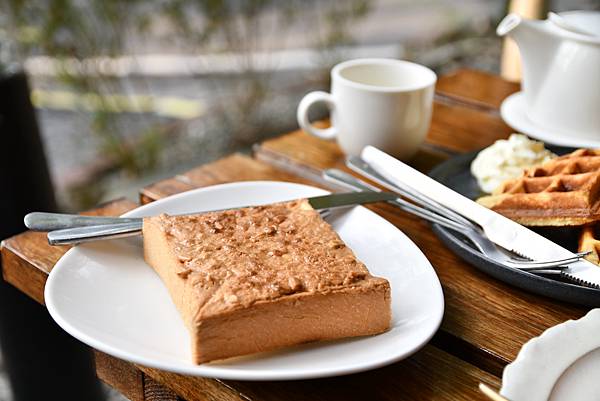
(455,173)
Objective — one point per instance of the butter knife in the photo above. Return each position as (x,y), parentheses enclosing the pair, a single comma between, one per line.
(499,229)
(63,233)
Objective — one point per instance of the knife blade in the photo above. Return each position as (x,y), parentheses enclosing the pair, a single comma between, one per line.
(499,229)
(348,199)
(133,226)
(43,221)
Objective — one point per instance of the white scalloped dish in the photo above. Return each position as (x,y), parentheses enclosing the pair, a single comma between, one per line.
(562,364)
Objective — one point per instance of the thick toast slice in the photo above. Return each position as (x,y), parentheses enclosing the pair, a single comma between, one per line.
(260,278)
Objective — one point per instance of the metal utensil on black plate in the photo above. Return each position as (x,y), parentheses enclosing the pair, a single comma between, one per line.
(499,229)
(478,239)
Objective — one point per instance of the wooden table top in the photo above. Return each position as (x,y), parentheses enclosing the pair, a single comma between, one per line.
(485,323)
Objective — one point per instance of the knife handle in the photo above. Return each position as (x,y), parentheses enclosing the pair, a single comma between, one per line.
(400,173)
(42,221)
(79,235)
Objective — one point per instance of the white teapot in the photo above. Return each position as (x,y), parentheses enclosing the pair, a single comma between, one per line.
(561,72)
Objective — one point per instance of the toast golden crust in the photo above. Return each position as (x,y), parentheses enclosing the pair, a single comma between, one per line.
(255,279)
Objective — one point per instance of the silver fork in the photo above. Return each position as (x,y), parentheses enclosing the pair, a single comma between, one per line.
(475,236)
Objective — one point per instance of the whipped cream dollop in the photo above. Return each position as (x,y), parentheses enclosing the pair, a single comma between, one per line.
(507,158)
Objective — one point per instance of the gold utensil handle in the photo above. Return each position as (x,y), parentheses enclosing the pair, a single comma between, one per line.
(490,393)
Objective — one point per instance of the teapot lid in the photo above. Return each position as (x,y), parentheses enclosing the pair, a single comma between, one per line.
(580,22)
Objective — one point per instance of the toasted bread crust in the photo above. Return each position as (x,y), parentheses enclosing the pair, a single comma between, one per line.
(241,299)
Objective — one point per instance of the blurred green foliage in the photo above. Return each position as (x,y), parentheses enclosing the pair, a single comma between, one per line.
(70,30)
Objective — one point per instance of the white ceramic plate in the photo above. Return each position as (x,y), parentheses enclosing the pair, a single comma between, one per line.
(563,364)
(105,295)
(514,113)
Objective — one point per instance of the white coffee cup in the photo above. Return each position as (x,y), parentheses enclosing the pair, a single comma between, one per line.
(385,103)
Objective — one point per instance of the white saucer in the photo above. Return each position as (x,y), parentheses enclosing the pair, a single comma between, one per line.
(514,113)
(562,364)
(105,295)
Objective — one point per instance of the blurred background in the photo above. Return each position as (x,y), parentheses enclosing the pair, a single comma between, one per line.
(129,92)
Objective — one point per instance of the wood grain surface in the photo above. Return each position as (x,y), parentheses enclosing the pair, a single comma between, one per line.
(431,374)
(218,172)
(26,261)
(27,258)
(121,375)
(485,324)
(477,88)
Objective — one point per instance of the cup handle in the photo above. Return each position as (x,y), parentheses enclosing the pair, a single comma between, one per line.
(302,114)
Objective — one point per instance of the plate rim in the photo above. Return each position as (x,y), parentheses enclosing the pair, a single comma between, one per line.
(514,114)
(240,373)
(517,383)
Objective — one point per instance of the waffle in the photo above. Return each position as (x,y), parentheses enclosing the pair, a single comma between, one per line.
(561,192)
(589,241)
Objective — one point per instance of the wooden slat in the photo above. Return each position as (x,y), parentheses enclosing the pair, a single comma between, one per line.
(23,269)
(304,151)
(155,391)
(463,129)
(308,163)
(276,154)
(475,88)
(27,258)
(163,189)
(122,375)
(236,167)
(305,154)
(431,374)
(192,388)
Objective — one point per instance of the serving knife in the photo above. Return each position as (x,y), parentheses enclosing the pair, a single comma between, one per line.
(499,229)
(74,229)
